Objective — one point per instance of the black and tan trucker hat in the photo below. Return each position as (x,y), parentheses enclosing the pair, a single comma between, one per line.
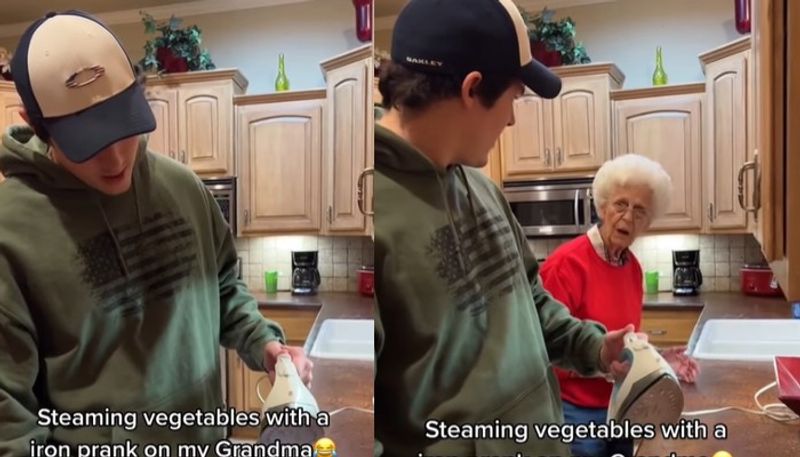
(78,85)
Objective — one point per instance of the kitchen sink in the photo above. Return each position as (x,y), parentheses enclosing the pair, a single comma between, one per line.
(345,339)
(748,339)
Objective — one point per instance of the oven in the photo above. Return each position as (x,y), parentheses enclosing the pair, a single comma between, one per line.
(224,192)
(552,207)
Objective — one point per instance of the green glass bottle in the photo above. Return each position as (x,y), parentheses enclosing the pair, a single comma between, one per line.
(659,75)
(282,81)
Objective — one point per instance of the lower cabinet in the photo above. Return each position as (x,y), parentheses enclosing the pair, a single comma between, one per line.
(669,327)
(243,383)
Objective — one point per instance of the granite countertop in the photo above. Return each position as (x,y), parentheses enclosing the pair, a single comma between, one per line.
(725,383)
(338,383)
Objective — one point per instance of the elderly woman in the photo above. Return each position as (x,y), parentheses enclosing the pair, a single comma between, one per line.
(597,277)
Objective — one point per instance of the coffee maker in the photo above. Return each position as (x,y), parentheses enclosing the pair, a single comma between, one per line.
(305,275)
(687,278)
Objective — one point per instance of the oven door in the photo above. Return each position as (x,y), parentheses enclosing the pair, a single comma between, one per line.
(547,212)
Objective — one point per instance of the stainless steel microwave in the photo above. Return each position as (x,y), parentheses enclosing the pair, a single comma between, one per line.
(552,207)
(224,192)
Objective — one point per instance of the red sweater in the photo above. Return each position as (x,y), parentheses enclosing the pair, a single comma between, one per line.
(592,289)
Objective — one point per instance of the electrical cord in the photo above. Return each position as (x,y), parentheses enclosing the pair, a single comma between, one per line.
(775,411)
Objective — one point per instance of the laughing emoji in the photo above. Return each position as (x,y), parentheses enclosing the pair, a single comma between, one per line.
(324,447)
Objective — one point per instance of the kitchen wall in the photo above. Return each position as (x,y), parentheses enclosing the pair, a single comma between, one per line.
(627,32)
(339,259)
(721,256)
(306,32)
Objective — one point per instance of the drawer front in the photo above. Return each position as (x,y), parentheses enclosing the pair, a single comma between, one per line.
(296,323)
(669,327)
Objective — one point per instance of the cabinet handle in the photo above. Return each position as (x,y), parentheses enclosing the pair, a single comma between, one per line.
(362,204)
(547,157)
(657,332)
(246,217)
(559,160)
(171,154)
(711,212)
(330,214)
(752,165)
(183,157)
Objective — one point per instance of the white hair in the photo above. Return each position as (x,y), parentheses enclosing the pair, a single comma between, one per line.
(636,170)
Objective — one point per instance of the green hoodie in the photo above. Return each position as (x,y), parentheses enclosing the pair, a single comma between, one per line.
(114,302)
(465,334)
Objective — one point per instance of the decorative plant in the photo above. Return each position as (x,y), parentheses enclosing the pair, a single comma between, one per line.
(553,37)
(5,64)
(176,50)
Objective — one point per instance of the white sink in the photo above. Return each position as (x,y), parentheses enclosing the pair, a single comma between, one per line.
(748,339)
(346,339)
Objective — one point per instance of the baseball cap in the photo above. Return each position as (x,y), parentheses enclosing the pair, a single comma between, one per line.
(459,36)
(78,84)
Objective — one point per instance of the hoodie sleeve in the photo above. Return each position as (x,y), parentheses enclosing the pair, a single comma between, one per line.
(572,344)
(242,327)
(19,370)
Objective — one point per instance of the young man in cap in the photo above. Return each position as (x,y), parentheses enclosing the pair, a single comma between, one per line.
(465,334)
(118,273)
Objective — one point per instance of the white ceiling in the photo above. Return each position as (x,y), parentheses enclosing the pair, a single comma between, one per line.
(13,12)
(387,10)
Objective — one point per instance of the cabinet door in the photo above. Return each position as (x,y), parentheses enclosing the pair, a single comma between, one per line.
(205,124)
(726,141)
(581,118)
(527,145)
(668,130)
(164,103)
(493,165)
(280,148)
(345,145)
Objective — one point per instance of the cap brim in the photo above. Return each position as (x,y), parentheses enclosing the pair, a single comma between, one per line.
(82,135)
(540,79)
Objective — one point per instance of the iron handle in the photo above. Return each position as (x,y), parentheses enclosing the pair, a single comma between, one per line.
(559,158)
(330,214)
(657,332)
(547,157)
(183,157)
(361,192)
(246,217)
(757,186)
(711,212)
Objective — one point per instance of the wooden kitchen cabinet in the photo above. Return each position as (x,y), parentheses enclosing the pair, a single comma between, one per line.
(279,139)
(348,141)
(567,136)
(195,118)
(244,382)
(669,327)
(775,198)
(10,106)
(727,142)
(493,168)
(665,124)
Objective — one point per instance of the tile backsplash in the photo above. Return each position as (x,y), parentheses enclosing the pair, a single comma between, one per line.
(339,259)
(721,256)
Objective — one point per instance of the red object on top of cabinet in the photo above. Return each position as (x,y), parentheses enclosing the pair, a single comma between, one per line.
(363,19)
(742,16)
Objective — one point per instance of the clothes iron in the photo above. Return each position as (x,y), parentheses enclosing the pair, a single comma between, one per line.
(290,392)
(650,392)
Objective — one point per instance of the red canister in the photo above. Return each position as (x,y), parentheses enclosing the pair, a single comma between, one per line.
(366,281)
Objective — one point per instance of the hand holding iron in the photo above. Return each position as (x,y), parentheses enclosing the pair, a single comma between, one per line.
(304,366)
(611,351)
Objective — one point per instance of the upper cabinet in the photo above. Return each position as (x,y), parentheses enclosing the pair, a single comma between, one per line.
(10,106)
(194,113)
(665,124)
(348,142)
(727,128)
(279,139)
(566,136)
